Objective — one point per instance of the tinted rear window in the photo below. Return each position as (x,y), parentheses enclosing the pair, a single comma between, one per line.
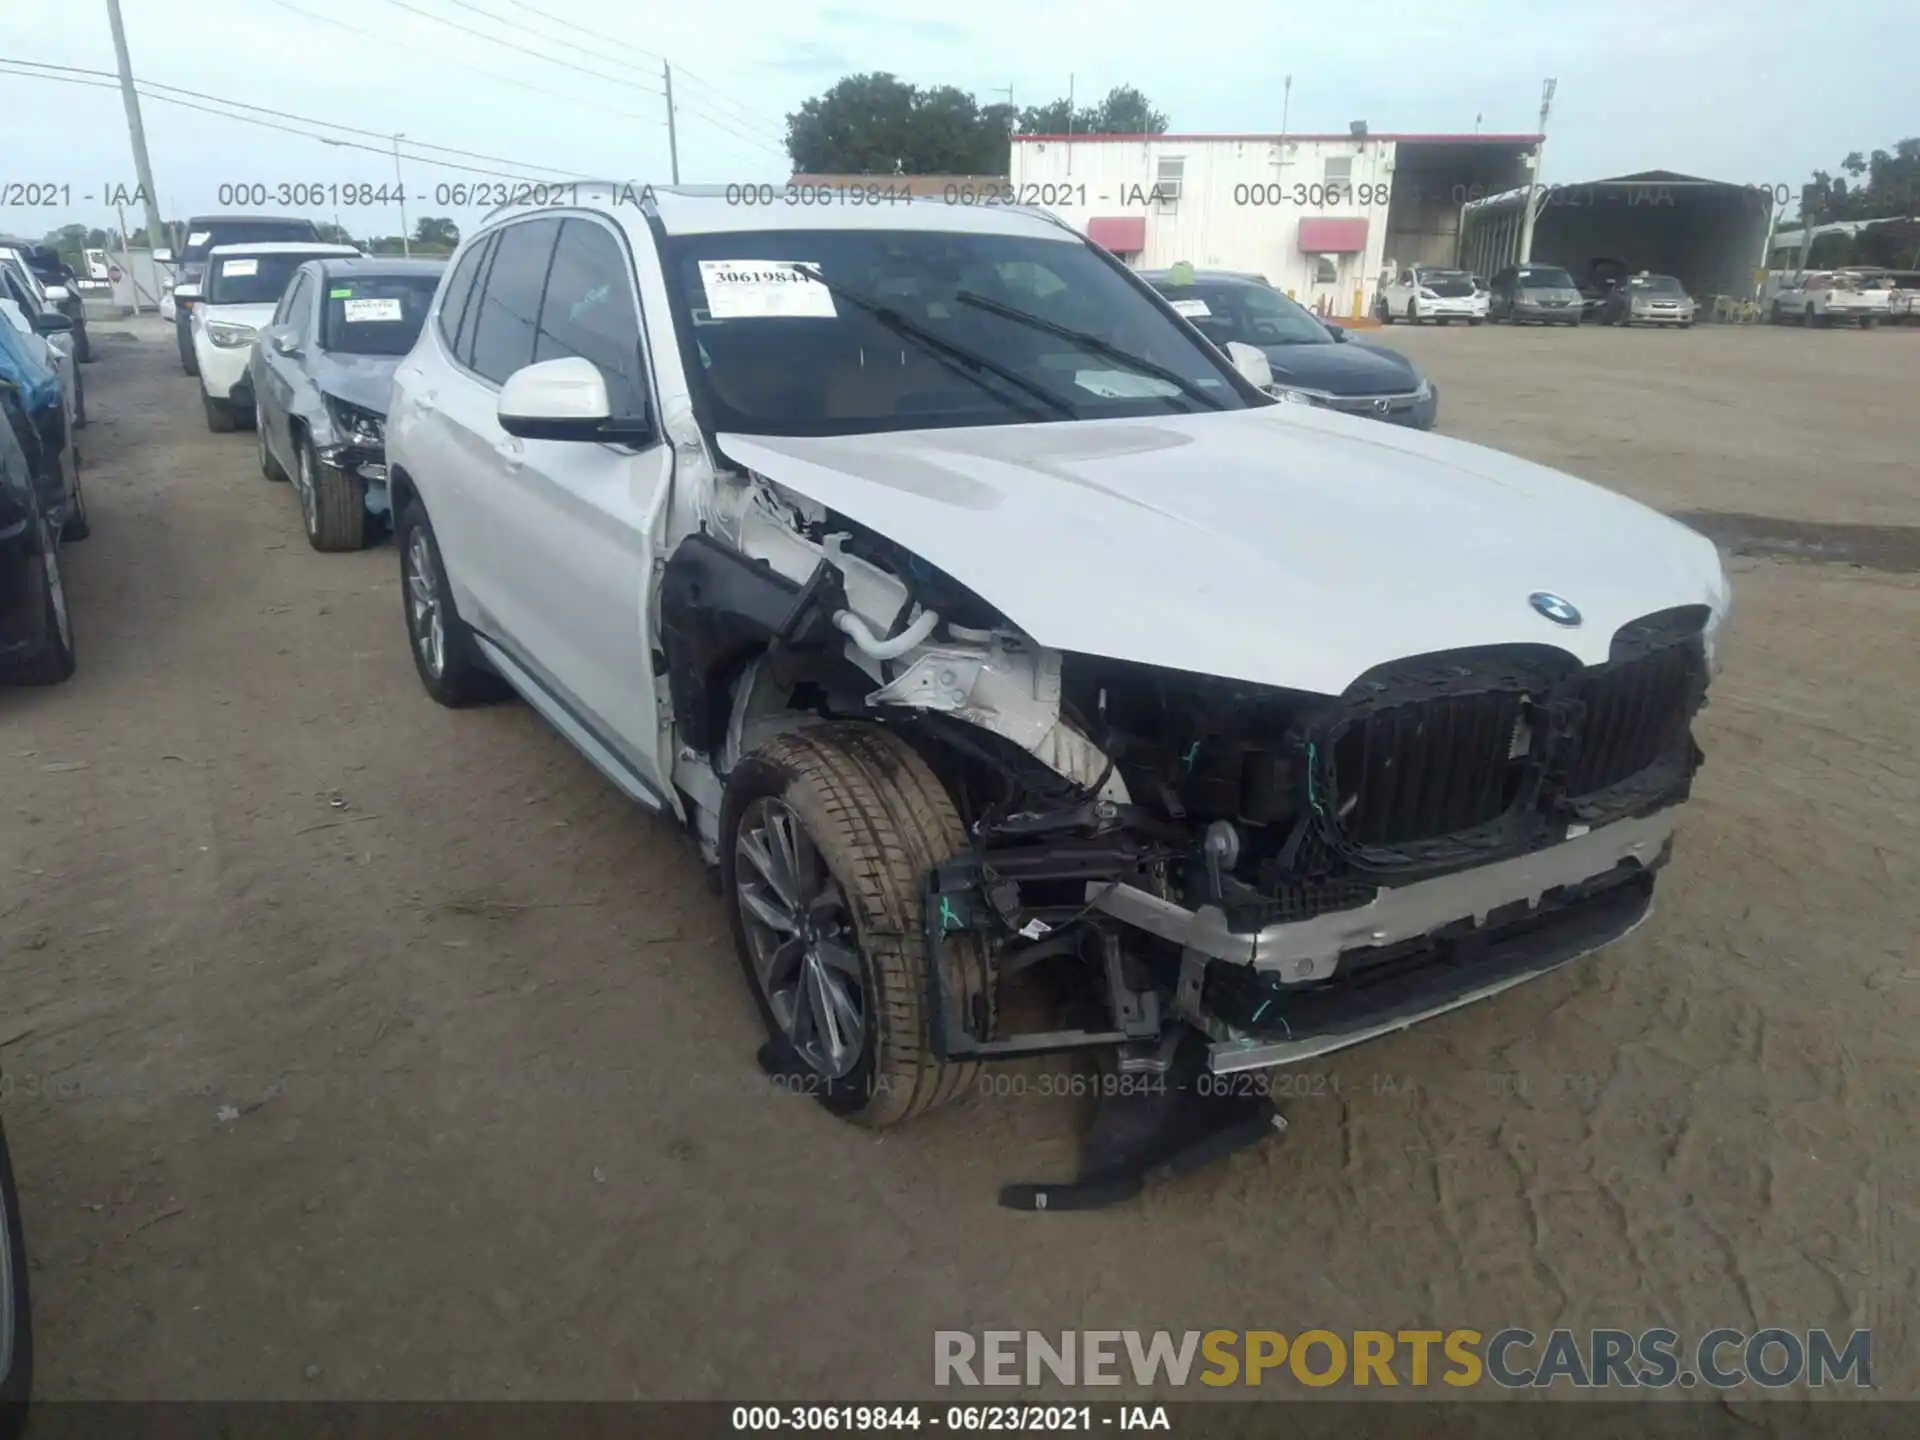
(203,236)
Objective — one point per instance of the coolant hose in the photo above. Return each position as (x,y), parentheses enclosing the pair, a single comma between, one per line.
(855,629)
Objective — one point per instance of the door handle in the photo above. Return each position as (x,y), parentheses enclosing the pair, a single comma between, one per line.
(510,451)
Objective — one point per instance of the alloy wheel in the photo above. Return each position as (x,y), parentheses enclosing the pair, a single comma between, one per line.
(425,624)
(800,932)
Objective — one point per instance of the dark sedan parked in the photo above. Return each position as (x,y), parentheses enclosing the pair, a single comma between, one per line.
(36,630)
(1542,293)
(322,375)
(1310,357)
(62,287)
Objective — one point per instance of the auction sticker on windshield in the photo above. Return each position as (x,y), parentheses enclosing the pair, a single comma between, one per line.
(762,290)
(234,268)
(1192,309)
(358,310)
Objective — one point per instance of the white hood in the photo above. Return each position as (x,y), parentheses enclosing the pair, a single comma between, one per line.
(1282,545)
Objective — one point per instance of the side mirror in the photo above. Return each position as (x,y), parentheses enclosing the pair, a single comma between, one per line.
(280,339)
(52,322)
(58,293)
(556,400)
(1339,332)
(163,257)
(1251,362)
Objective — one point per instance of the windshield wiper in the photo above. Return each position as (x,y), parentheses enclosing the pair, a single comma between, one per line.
(957,358)
(1094,343)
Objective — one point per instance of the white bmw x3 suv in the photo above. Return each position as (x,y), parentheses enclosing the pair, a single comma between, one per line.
(974,614)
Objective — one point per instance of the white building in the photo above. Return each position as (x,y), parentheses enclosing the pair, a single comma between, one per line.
(1320,216)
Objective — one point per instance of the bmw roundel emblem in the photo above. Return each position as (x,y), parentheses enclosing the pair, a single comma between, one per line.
(1560,612)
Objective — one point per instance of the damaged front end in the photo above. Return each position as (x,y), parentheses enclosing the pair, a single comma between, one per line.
(1198,872)
(351,440)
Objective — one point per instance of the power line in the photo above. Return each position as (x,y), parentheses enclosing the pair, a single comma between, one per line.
(731,126)
(720,94)
(493,75)
(511,45)
(287,115)
(385,151)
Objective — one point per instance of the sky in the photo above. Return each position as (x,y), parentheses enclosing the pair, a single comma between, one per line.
(1715,89)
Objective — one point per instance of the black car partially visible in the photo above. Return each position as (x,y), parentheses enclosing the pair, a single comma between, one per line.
(62,285)
(36,631)
(1312,359)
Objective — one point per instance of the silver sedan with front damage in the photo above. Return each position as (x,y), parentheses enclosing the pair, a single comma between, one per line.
(322,375)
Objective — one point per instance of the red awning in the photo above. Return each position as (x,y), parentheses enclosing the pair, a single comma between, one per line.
(1122,234)
(1323,236)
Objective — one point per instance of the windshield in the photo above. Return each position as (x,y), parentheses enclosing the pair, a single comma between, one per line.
(251,279)
(375,314)
(1448,284)
(1252,314)
(1654,284)
(203,235)
(970,333)
(1545,277)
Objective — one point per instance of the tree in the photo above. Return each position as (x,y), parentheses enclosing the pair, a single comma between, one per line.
(878,124)
(332,234)
(436,231)
(1125,111)
(1883,185)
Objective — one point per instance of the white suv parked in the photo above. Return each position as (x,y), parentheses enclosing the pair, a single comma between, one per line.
(1431,292)
(242,289)
(972,612)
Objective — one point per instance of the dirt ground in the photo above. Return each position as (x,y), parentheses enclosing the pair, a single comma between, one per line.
(359,1048)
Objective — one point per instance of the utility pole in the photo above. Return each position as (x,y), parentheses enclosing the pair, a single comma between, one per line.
(1533,185)
(673,139)
(1286,104)
(1069,122)
(406,245)
(142,169)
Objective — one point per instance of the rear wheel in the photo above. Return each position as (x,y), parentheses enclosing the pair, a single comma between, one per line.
(444,652)
(1866,322)
(56,660)
(333,504)
(826,837)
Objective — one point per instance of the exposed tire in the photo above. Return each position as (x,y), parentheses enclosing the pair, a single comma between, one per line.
(219,414)
(79,399)
(1776,315)
(269,466)
(1475,320)
(876,820)
(1808,318)
(333,504)
(183,337)
(1866,321)
(446,658)
(1413,310)
(16,1380)
(57,659)
(82,348)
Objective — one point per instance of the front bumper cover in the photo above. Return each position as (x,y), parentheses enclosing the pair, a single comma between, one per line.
(1307,950)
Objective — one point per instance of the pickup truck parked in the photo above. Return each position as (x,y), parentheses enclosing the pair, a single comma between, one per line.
(1824,297)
